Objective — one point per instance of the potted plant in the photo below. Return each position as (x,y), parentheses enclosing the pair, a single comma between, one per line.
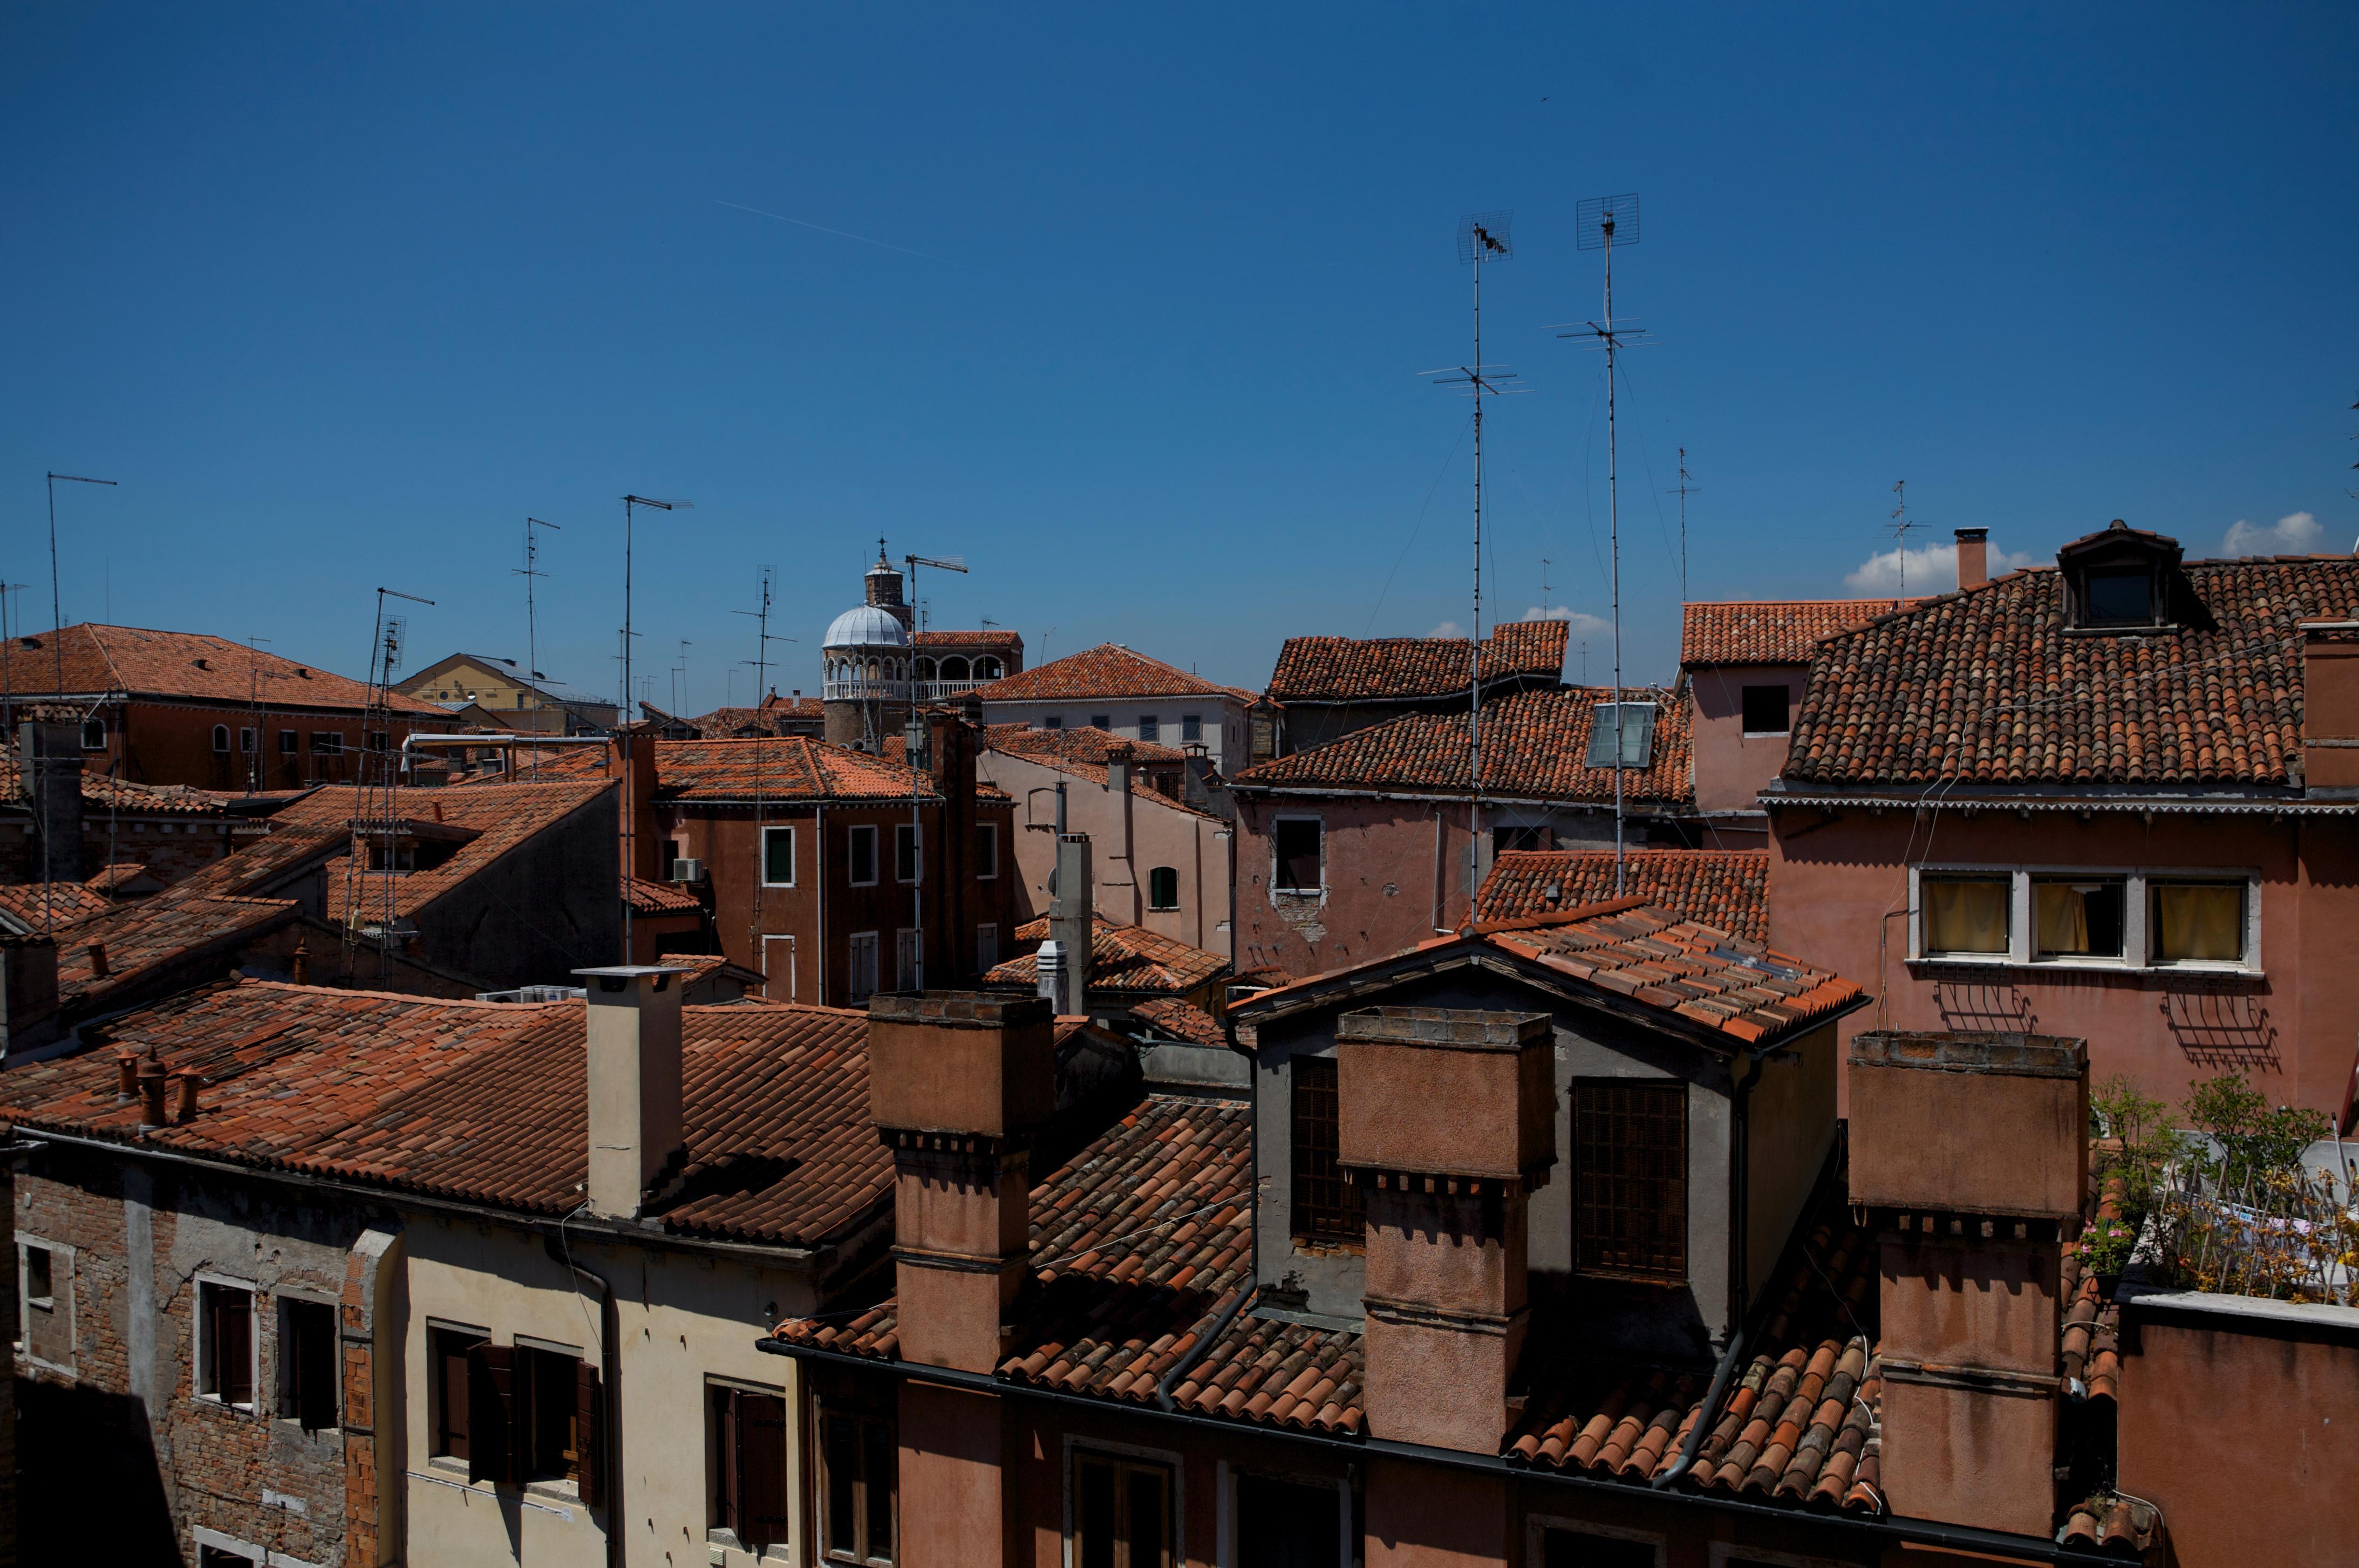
(2106,1244)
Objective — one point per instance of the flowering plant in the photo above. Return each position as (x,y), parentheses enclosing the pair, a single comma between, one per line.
(2106,1244)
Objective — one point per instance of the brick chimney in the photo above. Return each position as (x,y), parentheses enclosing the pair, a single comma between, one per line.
(28,993)
(643,850)
(1969,1158)
(1448,1200)
(1974,557)
(2330,708)
(51,752)
(636,1132)
(958,1081)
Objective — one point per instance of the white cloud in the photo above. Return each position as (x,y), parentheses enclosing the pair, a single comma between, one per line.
(1931,568)
(2296,533)
(1583,624)
(1448,629)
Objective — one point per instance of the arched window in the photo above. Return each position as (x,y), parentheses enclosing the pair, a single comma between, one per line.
(987,670)
(221,737)
(954,670)
(925,670)
(1163,888)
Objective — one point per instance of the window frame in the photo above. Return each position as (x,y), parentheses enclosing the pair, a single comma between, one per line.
(442,1339)
(1229,1477)
(909,836)
(1601,726)
(290,743)
(769,836)
(1675,1090)
(98,722)
(1192,728)
(60,1306)
(538,1363)
(221,740)
(1277,859)
(852,947)
(725,1461)
(986,946)
(327,742)
(2140,936)
(1784,695)
(1157,899)
(851,856)
(986,862)
(1151,728)
(2046,958)
(864,1418)
(287,1375)
(908,959)
(202,1370)
(1536,1528)
(1323,1210)
(1175,1470)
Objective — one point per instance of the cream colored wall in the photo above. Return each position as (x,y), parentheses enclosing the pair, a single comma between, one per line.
(683,1318)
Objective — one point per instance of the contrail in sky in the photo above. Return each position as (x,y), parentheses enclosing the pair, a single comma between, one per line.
(839,234)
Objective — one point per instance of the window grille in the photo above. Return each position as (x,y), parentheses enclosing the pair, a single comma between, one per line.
(1326,1207)
(1630,1144)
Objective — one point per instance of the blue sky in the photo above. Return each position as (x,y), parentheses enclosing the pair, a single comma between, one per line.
(340,295)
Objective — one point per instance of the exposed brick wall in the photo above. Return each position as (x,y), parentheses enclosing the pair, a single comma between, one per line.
(190,1461)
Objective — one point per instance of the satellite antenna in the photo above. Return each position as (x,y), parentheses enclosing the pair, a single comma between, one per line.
(1600,223)
(1684,489)
(1899,528)
(1481,237)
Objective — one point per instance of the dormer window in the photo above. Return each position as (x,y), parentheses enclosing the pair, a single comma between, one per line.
(2120,579)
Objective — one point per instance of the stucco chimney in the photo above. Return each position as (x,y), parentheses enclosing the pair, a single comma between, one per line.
(1969,1158)
(637,1128)
(1974,557)
(1448,1207)
(49,752)
(1197,786)
(644,846)
(2330,708)
(1071,919)
(958,1082)
(28,993)
(1118,757)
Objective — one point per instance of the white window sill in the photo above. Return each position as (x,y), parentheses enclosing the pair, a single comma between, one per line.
(555,1491)
(449,1465)
(1766,735)
(2089,966)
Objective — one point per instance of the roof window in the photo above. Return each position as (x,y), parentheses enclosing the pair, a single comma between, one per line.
(2120,579)
(1637,728)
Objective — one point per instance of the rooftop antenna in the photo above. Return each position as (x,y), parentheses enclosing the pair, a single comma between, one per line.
(56,615)
(679,698)
(630,844)
(371,775)
(254,695)
(1684,489)
(761,662)
(530,570)
(1481,237)
(916,773)
(1899,528)
(1600,223)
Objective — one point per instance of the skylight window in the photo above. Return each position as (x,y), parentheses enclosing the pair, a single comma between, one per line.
(1637,728)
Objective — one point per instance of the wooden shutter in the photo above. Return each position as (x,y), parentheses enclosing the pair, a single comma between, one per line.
(235,1347)
(590,1434)
(762,1470)
(728,1450)
(491,1414)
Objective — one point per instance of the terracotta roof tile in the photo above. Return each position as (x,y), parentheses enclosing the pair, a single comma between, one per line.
(1077,743)
(485,1102)
(134,660)
(1770,631)
(1346,669)
(1121,958)
(659,898)
(65,903)
(968,639)
(1107,670)
(783,769)
(1535,746)
(1724,888)
(1987,686)
(500,817)
(725,723)
(102,794)
(1181,1019)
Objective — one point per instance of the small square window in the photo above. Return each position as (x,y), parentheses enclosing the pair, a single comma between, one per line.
(863,869)
(778,857)
(1163,888)
(1768,710)
(1122,1513)
(290,743)
(1100,722)
(2120,596)
(1191,727)
(1637,724)
(907,862)
(2197,923)
(2077,917)
(225,1344)
(94,734)
(1150,729)
(1298,863)
(1964,916)
(986,851)
(1053,721)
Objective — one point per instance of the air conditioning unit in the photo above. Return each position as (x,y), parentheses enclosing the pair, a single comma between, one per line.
(687,871)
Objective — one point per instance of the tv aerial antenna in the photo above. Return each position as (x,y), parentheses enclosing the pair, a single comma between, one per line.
(911,745)
(1601,222)
(530,570)
(374,794)
(1482,237)
(1683,489)
(1900,526)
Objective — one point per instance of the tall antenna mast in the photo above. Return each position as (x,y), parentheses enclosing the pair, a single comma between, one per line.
(761,661)
(1481,237)
(384,653)
(630,841)
(918,727)
(254,695)
(1899,528)
(530,570)
(1684,489)
(1600,222)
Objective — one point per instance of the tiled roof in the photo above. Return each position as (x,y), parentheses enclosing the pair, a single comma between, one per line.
(107,878)
(1138,1242)
(502,817)
(1987,686)
(1142,785)
(969,639)
(790,768)
(1077,743)
(1348,669)
(104,658)
(65,902)
(1535,746)
(1121,958)
(1724,888)
(1182,1019)
(659,898)
(1769,631)
(1106,670)
(484,1101)
(1675,966)
(723,723)
(103,794)
(1800,1425)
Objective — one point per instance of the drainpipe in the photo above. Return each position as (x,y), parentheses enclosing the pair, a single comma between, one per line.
(610,1366)
(1740,1142)
(1197,1351)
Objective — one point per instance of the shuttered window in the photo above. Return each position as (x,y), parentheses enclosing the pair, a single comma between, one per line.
(859,1476)
(747,1462)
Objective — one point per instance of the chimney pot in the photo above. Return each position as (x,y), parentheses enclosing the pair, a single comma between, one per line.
(631,1031)
(97,950)
(1973,558)
(126,1077)
(299,968)
(184,1100)
(151,1093)
(28,993)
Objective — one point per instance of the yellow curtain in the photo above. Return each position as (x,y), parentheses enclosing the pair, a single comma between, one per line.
(2199,921)
(2062,914)
(1964,917)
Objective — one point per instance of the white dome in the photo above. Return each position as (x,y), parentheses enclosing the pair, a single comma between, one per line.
(866,626)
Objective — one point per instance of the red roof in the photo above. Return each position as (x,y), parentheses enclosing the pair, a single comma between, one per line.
(498,817)
(659,898)
(1535,746)
(1350,670)
(65,903)
(189,665)
(1769,631)
(1987,686)
(793,767)
(722,724)
(1182,1019)
(100,794)
(1121,958)
(1724,888)
(1108,670)
(1077,743)
(484,1102)
(984,639)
